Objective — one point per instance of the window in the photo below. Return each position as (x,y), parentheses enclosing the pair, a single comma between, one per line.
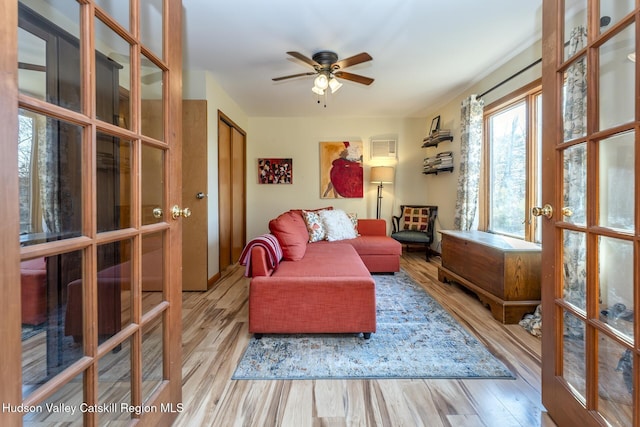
(513,151)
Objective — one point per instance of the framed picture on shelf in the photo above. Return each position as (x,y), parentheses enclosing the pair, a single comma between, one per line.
(275,171)
(435,125)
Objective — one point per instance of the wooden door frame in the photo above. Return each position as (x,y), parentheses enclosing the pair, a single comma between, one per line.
(11,356)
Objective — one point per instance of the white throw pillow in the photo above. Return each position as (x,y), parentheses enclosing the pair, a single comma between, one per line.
(337,225)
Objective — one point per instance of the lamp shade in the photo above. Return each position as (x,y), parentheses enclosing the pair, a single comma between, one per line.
(382,174)
(321,82)
(334,84)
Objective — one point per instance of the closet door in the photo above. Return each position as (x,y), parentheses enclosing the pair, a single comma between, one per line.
(231,190)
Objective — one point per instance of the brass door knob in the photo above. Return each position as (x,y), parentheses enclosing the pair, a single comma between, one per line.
(157,213)
(546,210)
(176,212)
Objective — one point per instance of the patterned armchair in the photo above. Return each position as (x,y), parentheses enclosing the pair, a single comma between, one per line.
(415,226)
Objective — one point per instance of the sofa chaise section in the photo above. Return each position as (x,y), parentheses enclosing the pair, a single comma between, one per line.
(329,290)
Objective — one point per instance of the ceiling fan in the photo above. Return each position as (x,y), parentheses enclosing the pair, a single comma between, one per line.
(327,67)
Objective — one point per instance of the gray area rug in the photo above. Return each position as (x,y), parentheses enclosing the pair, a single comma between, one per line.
(416,338)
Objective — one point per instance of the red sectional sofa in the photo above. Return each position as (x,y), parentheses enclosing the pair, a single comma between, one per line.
(319,287)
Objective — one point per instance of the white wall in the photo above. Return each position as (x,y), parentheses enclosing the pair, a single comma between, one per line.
(299,138)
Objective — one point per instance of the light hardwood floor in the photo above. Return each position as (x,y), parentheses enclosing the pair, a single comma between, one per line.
(215,336)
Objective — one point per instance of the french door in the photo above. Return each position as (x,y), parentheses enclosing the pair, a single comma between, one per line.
(91,157)
(591,192)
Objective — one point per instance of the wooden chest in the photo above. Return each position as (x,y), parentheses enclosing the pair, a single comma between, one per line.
(503,272)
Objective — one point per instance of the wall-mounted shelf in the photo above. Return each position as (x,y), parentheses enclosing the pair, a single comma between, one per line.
(435,171)
(436,138)
(442,162)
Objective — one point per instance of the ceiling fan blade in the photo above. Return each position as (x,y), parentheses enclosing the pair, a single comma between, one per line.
(277,79)
(352,60)
(353,77)
(304,59)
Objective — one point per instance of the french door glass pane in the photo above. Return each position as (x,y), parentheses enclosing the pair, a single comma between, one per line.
(615,270)
(574,100)
(574,279)
(51,291)
(66,397)
(152,362)
(114,386)
(616,172)
(151,17)
(53,28)
(152,100)
(152,268)
(113,81)
(32,64)
(615,10)
(118,10)
(114,287)
(113,180)
(615,382)
(50,170)
(508,142)
(617,79)
(153,186)
(574,361)
(575,13)
(575,183)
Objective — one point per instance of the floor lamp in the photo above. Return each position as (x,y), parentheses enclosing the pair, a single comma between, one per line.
(381,175)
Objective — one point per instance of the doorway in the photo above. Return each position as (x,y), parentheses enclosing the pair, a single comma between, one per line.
(231,190)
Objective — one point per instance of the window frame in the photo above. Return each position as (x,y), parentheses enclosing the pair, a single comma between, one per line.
(529,94)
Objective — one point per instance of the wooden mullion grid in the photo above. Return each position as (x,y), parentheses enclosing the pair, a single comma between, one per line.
(89,282)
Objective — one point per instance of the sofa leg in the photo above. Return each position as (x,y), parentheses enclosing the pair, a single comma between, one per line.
(257,336)
(367,335)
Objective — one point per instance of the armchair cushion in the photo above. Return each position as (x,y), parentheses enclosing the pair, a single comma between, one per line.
(415,225)
(416,218)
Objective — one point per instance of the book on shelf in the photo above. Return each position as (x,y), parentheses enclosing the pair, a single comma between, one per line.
(440,133)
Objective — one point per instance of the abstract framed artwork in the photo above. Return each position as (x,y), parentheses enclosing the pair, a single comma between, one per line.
(275,171)
(341,173)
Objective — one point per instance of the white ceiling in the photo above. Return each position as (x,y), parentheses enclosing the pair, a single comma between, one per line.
(424,51)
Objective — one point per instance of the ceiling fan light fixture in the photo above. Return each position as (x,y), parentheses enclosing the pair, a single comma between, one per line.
(317,90)
(334,84)
(321,82)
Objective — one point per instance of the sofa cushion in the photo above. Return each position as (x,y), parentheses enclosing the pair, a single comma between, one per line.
(291,232)
(375,245)
(337,224)
(324,259)
(416,219)
(315,226)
